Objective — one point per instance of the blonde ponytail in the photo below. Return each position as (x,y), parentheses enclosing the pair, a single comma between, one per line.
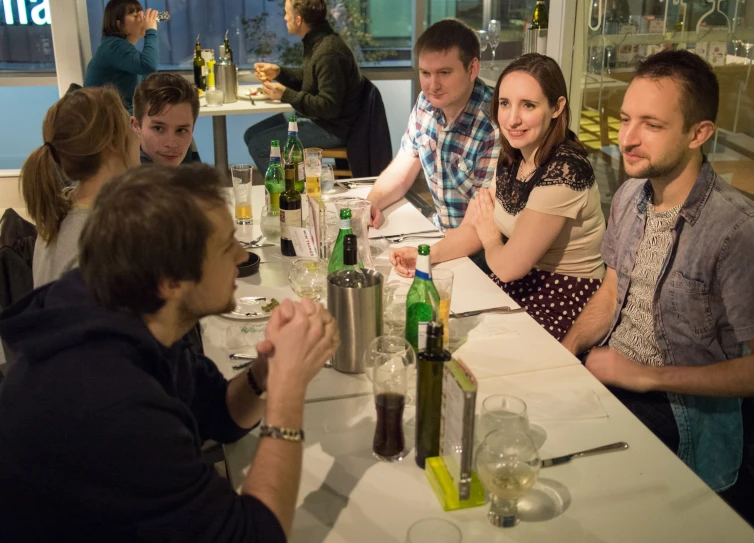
(42,183)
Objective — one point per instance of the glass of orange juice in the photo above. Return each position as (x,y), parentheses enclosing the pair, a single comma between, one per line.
(443,280)
(313,163)
(242,174)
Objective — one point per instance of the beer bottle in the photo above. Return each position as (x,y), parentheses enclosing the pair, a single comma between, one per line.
(274,179)
(294,153)
(422,301)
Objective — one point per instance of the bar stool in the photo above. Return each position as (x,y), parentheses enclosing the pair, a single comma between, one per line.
(338,153)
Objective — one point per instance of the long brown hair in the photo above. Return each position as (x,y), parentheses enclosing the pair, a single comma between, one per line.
(550,78)
(76,131)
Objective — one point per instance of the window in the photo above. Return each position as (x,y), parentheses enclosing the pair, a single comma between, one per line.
(257,31)
(25,36)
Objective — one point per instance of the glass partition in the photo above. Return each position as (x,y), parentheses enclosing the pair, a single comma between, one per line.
(25,36)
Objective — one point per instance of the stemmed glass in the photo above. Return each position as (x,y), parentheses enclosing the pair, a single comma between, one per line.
(508,465)
(483,43)
(308,278)
(493,36)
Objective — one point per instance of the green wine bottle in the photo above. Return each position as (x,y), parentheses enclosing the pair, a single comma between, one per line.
(422,301)
(290,210)
(294,153)
(274,179)
(200,67)
(350,275)
(336,258)
(541,18)
(429,373)
(228,50)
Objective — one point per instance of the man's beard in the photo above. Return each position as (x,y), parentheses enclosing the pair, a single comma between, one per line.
(657,170)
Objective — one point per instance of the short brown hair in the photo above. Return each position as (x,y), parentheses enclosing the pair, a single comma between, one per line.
(78,130)
(162,89)
(115,12)
(148,225)
(313,12)
(700,90)
(446,34)
(550,78)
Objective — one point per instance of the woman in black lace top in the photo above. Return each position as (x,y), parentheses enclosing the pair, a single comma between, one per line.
(540,222)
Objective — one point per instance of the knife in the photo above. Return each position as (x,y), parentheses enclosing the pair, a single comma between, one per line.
(503,309)
(434,230)
(619,446)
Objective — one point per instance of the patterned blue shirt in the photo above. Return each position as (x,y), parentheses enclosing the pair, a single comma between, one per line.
(457,159)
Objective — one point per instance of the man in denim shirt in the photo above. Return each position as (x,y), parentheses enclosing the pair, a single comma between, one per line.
(674,317)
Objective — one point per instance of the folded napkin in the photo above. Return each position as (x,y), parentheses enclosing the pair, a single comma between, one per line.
(562,404)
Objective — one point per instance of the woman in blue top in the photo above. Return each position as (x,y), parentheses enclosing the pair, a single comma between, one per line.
(117,61)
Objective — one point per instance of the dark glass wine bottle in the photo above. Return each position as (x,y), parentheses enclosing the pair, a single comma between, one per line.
(290,210)
(540,19)
(429,373)
(200,67)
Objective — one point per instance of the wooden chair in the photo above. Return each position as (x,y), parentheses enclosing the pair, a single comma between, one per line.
(338,153)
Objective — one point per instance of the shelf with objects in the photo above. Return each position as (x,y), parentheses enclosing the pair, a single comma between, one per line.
(617,34)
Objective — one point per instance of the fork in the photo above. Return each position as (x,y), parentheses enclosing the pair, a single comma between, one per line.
(408,236)
(253,242)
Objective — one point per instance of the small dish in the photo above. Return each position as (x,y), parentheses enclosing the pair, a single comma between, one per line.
(250,267)
(245,91)
(248,309)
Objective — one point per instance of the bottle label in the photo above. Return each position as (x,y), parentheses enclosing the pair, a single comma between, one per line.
(266,197)
(289,218)
(292,128)
(345,224)
(422,342)
(301,174)
(274,154)
(422,275)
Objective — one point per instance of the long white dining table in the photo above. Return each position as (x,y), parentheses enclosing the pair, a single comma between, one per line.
(643,494)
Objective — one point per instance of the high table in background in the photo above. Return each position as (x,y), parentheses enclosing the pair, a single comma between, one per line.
(241,107)
(643,494)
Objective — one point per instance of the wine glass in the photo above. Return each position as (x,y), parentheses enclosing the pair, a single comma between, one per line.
(327,179)
(483,43)
(394,303)
(502,412)
(269,224)
(508,464)
(308,278)
(493,36)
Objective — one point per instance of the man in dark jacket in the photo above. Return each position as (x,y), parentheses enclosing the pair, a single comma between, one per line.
(103,416)
(325,91)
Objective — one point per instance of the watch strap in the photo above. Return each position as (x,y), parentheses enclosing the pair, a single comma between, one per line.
(276,432)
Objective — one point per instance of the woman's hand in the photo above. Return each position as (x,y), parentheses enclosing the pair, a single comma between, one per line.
(150,19)
(483,217)
(265,71)
(404,260)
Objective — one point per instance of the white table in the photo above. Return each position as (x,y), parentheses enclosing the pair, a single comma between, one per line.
(219,129)
(644,494)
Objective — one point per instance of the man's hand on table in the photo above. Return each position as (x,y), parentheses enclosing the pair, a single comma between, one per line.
(274,91)
(265,71)
(614,369)
(376,218)
(404,260)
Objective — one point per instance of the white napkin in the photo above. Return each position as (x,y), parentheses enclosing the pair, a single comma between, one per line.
(562,404)
(487,324)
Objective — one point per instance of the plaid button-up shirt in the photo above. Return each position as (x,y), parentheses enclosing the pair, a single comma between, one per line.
(457,159)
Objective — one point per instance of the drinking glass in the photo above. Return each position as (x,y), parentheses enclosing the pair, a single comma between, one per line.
(327,178)
(443,280)
(390,381)
(483,43)
(433,530)
(508,464)
(242,174)
(502,412)
(313,166)
(269,223)
(493,36)
(391,346)
(308,278)
(394,303)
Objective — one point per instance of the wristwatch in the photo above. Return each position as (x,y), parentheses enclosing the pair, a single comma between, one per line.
(276,432)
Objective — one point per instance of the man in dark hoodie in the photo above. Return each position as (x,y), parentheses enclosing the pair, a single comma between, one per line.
(103,415)
(325,91)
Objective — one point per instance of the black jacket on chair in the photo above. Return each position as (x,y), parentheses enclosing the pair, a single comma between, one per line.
(368,146)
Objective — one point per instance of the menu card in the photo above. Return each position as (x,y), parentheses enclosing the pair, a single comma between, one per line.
(457,425)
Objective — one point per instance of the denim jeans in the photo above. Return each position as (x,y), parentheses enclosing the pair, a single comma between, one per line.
(259,136)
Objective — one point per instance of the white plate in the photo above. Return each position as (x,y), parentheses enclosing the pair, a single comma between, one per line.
(248,309)
(243,92)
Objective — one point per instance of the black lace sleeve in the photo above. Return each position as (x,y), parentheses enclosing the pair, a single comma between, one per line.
(567,167)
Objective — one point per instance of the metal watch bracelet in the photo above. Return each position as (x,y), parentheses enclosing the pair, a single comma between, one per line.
(276,432)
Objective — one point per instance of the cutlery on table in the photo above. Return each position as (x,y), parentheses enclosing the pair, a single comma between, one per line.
(503,309)
(412,236)
(391,236)
(254,242)
(619,446)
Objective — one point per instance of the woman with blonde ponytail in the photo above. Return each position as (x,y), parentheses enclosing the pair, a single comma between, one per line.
(87,140)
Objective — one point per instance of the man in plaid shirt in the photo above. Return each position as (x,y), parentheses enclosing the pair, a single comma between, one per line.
(450,133)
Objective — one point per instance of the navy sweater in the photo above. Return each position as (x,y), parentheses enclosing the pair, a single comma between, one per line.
(101,428)
(117,62)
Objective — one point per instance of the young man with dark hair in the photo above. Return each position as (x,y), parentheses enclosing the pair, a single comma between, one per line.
(674,317)
(450,134)
(166,107)
(325,92)
(102,417)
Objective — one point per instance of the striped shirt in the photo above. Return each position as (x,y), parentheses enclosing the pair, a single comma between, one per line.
(457,159)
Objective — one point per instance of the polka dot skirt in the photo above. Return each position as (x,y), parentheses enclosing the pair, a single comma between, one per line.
(552,299)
